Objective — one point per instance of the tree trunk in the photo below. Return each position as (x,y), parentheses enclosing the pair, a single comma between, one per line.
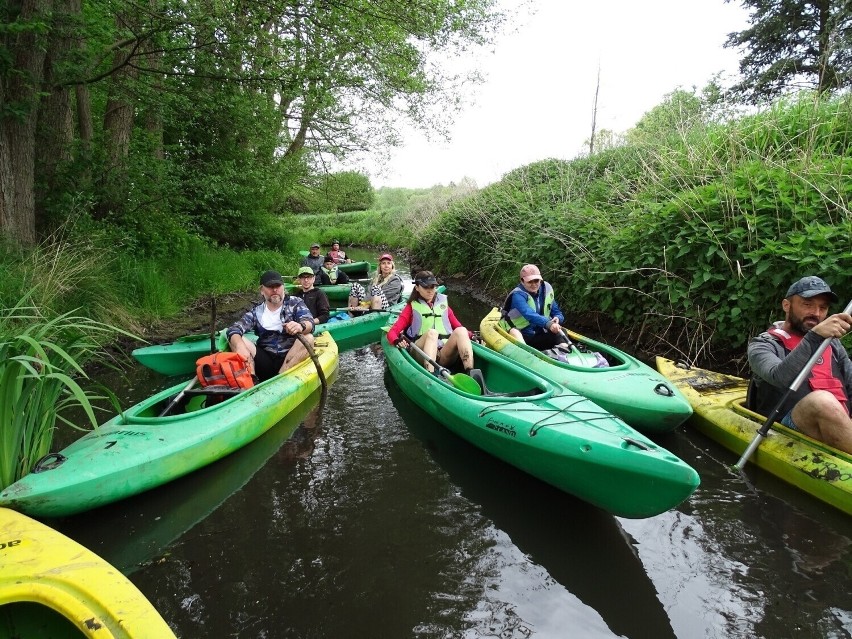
(55,132)
(118,129)
(17,131)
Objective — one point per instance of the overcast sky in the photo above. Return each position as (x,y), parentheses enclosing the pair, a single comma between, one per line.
(538,97)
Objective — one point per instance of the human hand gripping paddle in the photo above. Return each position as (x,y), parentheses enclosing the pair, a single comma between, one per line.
(459,380)
(800,378)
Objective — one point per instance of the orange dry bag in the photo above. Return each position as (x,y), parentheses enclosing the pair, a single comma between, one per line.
(224,369)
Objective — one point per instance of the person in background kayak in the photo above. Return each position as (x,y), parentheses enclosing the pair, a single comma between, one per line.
(385,288)
(315,299)
(337,255)
(329,273)
(530,312)
(428,321)
(820,408)
(276,321)
(313,259)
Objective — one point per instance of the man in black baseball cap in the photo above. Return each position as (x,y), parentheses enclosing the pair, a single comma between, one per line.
(821,407)
(271,278)
(810,286)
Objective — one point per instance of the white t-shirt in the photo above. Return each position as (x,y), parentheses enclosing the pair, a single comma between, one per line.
(271,320)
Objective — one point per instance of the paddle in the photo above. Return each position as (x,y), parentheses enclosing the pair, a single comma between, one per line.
(178,397)
(213,348)
(313,355)
(764,430)
(461,381)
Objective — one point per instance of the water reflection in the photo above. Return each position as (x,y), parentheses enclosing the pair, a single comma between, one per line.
(572,546)
(746,562)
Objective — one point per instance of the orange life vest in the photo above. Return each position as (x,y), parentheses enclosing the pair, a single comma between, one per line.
(223,369)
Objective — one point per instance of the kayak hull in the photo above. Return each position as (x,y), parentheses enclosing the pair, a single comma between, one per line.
(138,450)
(810,465)
(51,586)
(627,388)
(554,434)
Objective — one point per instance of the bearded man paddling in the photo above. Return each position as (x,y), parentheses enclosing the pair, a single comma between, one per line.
(820,408)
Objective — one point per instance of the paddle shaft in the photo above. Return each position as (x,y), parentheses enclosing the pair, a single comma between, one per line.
(313,355)
(213,348)
(800,378)
(443,372)
(178,397)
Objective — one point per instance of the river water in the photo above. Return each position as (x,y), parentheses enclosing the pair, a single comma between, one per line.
(363,518)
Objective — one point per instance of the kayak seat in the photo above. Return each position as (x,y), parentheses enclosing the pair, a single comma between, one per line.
(479,378)
(212,395)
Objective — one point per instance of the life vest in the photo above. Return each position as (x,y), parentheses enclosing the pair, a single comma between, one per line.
(332,274)
(424,317)
(822,375)
(512,317)
(223,369)
(338,256)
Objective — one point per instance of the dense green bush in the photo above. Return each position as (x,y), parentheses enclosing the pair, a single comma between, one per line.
(694,235)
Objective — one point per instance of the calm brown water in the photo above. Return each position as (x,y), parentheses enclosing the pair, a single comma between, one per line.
(366,518)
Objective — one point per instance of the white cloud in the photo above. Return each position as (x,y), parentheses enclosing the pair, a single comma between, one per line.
(538,97)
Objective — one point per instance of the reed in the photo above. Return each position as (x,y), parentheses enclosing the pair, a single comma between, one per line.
(41,361)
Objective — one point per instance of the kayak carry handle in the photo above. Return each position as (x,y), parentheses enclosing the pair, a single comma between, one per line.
(662,389)
(49,462)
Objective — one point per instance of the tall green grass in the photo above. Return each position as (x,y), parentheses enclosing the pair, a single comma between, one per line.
(689,239)
(41,361)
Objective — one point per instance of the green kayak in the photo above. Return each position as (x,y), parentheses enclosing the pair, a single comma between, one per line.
(179,357)
(138,450)
(336,293)
(551,433)
(633,391)
(350,268)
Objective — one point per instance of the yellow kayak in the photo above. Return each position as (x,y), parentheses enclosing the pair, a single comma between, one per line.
(52,587)
(808,464)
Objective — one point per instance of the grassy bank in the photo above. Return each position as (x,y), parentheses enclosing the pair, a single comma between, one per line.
(395,219)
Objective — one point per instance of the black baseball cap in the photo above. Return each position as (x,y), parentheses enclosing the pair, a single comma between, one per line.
(425,278)
(328,257)
(271,277)
(811,286)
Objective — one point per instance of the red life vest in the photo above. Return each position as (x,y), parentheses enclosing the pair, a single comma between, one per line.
(822,374)
(223,369)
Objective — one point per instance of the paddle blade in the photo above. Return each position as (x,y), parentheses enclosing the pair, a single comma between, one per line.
(465,383)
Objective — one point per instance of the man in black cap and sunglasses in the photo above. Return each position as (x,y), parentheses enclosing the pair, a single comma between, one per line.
(821,407)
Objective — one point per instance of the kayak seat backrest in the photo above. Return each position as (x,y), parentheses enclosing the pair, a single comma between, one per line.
(214,390)
(212,395)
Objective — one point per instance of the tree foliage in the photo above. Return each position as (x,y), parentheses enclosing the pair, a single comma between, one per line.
(794,44)
(198,117)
